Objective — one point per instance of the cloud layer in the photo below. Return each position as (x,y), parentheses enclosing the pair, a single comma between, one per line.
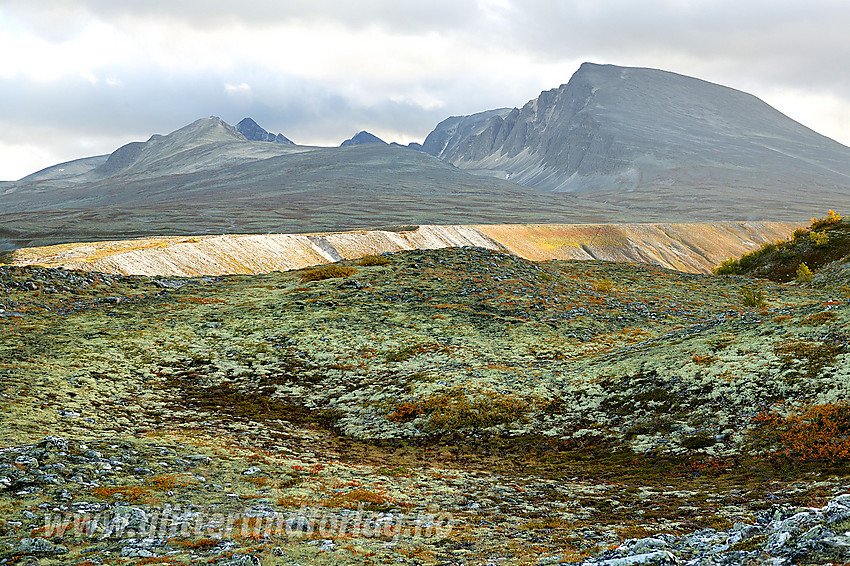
(87,76)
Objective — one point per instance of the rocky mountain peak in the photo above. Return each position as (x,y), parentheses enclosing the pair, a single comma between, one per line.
(361,138)
(254,132)
(621,129)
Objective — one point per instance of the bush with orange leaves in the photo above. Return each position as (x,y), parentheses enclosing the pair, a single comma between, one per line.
(817,433)
(458,408)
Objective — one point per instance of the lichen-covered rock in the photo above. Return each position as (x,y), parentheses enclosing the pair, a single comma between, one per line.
(40,547)
(242,560)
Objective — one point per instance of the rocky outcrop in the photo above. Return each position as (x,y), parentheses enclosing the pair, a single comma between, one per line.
(780,535)
(251,130)
(684,247)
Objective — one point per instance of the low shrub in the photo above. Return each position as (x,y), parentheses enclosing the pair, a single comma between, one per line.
(360,498)
(819,318)
(734,266)
(405,412)
(698,441)
(815,433)
(704,359)
(728,267)
(818,239)
(751,297)
(605,285)
(329,271)
(804,274)
(826,240)
(831,219)
(408,352)
(371,260)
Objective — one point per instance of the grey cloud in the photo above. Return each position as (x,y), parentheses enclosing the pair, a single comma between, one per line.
(795,43)
(144,105)
(400,16)
(752,45)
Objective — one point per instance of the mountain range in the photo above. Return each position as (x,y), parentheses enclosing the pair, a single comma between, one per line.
(613,144)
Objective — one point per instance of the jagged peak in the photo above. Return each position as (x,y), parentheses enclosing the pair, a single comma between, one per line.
(362,137)
(254,132)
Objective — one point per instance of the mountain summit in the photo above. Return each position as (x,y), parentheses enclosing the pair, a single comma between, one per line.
(627,129)
(361,138)
(252,130)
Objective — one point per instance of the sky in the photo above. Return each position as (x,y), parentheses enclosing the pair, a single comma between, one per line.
(83,77)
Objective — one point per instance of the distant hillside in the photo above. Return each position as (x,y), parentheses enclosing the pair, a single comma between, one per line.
(238,186)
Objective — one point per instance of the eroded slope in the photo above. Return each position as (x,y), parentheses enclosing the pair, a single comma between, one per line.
(684,247)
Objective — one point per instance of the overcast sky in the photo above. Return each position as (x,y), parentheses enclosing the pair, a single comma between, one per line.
(81,78)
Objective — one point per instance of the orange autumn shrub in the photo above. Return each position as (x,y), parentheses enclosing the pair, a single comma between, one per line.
(816,433)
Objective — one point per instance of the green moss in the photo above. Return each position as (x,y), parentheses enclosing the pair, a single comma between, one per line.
(750,544)
(811,357)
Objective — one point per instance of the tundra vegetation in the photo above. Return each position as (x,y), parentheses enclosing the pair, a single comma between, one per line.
(553,410)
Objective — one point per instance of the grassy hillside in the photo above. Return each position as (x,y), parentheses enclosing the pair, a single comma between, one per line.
(827,240)
(550,408)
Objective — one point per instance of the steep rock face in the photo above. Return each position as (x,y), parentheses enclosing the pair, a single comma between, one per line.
(630,128)
(457,129)
(361,138)
(251,130)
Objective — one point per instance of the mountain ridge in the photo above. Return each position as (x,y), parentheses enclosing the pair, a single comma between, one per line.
(614,144)
(628,128)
